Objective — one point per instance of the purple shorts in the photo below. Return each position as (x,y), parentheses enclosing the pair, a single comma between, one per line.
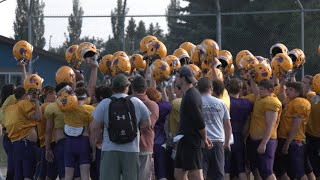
(48,169)
(293,162)
(235,163)
(24,159)
(264,162)
(8,147)
(160,158)
(77,151)
(59,158)
(313,148)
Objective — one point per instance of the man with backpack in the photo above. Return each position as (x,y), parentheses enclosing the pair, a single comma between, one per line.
(120,117)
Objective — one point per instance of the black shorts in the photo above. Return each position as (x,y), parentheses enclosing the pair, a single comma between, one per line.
(188,156)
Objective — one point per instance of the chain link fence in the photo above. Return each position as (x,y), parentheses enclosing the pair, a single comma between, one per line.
(256,31)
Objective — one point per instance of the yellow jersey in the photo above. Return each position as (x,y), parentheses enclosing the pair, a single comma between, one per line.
(53,113)
(258,119)
(79,117)
(313,125)
(9,101)
(18,119)
(298,107)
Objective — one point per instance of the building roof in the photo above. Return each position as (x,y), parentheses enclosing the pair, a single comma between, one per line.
(36,50)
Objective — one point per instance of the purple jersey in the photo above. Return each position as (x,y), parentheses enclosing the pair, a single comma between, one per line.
(159,130)
(240,110)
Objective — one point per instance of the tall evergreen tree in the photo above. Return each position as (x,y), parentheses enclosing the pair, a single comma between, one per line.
(151,30)
(176,33)
(141,32)
(37,25)
(158,32)
(130,36)
(117,24)
(75,23)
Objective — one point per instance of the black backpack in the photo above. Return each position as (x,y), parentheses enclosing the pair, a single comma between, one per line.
(122,126)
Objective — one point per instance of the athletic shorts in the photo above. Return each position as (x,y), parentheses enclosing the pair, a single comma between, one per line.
(293,162)
(47,168)
(264,162)
(188,156)
(235,162)
(24,159)
(213,161)
(8,147)
(59,158)
(313,148)
(77,151)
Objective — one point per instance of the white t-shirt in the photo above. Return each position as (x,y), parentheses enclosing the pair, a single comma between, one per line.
(214,112)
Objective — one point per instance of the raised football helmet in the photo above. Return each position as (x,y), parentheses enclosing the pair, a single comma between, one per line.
(86,51)
(173,62)
(120,65)
(160,70)
(22,51)
(120,53)
(197,54)
(71,53)
(262,59)
(278,48)
(156,49)
(32,81)
(261,71)
(211,49)
(240,55)
(105,64)
(145,41)
(281,63)
(247,61)
(137,62)
(298,58)
(196,71)
(65,74)
(182,55)
(188,46)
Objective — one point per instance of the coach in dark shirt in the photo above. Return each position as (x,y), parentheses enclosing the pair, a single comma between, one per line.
(189,158)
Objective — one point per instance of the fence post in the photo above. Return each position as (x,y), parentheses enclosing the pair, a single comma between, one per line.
(302,33)
(218,24)
(30,32)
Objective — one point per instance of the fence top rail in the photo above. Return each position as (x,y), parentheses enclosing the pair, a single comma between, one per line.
(194,15)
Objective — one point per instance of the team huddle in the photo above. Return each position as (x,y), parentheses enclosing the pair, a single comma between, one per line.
(180,116)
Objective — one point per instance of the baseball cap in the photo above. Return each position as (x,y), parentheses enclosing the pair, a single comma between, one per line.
(186,71)
(120,80)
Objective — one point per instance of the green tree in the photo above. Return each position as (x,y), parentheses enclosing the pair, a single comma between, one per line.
(158,32)
(130,36)
(75,23)
(20,24)
(175,35)
(141,32)
(117,21)
(151,30)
